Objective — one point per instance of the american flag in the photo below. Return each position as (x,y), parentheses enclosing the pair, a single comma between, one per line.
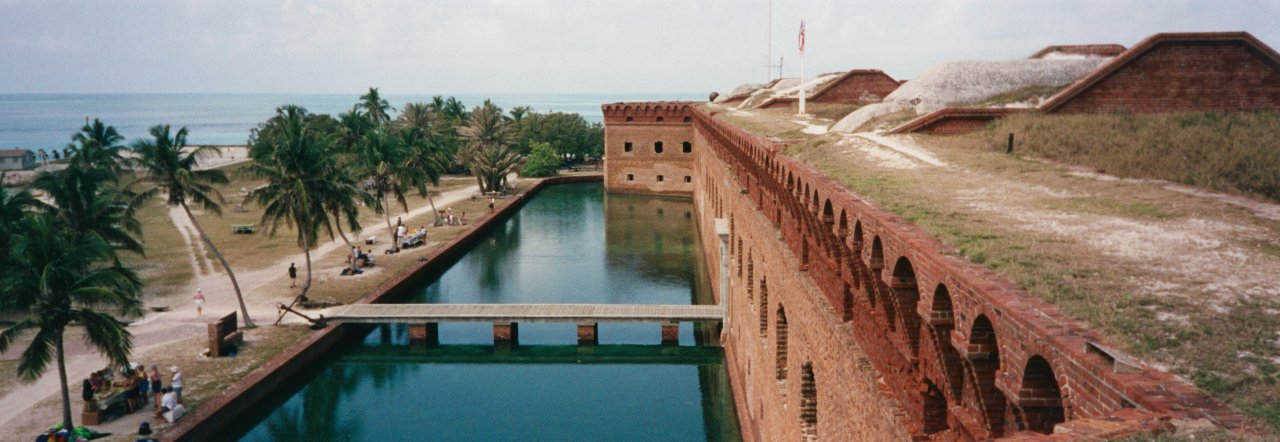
(801,36)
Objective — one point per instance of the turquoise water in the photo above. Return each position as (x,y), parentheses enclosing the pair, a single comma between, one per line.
(47,121)
(570,244)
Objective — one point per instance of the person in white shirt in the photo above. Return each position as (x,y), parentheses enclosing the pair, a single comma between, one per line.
(176,384)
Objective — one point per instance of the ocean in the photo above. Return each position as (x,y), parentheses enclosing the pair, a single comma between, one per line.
(47,121)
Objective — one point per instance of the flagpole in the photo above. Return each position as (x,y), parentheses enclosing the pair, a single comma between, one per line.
(802,93)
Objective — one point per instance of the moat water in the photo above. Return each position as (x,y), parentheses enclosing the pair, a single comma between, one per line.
(571,243)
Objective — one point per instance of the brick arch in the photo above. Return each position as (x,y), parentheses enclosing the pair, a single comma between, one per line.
(941,322)
(934,404)
(906,295)
(856,254)
(1040,398)
(780,346)
(751,273)
(982,353)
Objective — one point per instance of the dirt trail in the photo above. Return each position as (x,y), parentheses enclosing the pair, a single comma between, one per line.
(159,328)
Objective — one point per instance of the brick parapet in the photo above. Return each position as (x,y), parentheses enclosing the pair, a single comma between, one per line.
(976,354)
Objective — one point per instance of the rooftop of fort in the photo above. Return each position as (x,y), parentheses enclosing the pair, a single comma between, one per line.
(1171,261)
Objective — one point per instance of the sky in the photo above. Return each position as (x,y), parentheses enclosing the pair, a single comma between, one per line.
(548,46)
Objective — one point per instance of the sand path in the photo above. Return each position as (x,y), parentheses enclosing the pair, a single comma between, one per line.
(156,329)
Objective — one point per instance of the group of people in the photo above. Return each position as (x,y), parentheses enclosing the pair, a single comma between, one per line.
(140,387)
(453,220)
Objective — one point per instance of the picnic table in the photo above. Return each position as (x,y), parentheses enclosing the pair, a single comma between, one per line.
(242,228)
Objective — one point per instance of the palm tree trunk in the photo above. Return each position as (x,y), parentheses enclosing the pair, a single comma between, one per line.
(386,214)
(62,377)
(244,311)
(306,283)
(337,222)
(433,206)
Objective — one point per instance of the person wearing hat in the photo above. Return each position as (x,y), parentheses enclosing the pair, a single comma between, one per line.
(176,383)
(144,433)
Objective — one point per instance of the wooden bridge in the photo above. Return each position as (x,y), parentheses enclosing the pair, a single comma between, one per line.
(424,319)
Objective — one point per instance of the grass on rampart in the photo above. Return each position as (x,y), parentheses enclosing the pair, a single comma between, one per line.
(1237,152)
(1228,350)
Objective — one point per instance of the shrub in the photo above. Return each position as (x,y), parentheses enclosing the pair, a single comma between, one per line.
(543,161)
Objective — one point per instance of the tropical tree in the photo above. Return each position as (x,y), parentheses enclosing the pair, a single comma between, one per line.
(97,145)
(543,162)
(376,107)
(13,208)
(304,182)
(488,154)
(383,162)
(175,171)
(57,277)
(419,129)
(352,126)
(88,199)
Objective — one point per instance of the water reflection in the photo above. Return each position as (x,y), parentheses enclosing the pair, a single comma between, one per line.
(570,244)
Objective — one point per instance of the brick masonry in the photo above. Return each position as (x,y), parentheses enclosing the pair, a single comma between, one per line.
(848,323)
(648,148)
(1194,72)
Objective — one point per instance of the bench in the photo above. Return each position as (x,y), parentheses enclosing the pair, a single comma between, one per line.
(224,335)
(242,228)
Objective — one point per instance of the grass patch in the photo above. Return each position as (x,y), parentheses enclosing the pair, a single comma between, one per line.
(1227,348)
(1013,96)
(831,111)
(1237,152)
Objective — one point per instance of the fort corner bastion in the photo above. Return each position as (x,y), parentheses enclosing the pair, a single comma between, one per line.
(845,322)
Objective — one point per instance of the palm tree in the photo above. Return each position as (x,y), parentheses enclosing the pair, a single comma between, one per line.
(382,160)
(56,278)
(13,208)
(454,110)
(488,155)
(87,199)
(376,107)
(304,183)
(97,145)
(419,132)
(169,168)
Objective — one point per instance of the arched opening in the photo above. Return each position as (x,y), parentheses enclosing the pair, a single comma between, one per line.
(846,301)
(877,256)
(764,308)
(935,409)
(733,229)
(751,274)
(983,354)
(941,322)
(808,403)
(780,355)
(856,255)
(1040,397)
(906,296)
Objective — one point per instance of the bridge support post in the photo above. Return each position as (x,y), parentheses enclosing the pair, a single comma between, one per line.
(506,334)
(670,333)
(588,333)
(428,333)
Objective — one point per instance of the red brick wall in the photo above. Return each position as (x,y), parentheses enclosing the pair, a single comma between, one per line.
(890,319)
(958,125)
(859,88)
(1182,76)
(643,169)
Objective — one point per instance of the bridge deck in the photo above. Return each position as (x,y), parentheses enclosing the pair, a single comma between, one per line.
(426,313)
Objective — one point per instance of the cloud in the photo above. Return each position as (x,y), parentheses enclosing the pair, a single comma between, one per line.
(541,46)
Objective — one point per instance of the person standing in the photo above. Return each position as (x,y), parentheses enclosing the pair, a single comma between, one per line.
(293,275)
(144,385)
(156,384)
(199,298)
(176,384)
(491,201)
